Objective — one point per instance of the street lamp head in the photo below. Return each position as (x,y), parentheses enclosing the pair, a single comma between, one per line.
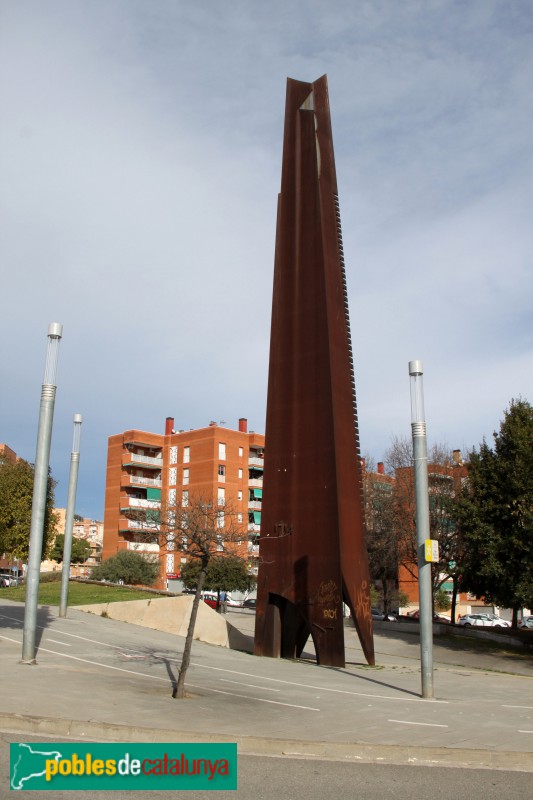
(417,392)
(55,330)
(415,368)
(77,434)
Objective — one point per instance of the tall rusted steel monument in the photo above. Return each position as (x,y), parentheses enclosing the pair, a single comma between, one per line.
(312,553)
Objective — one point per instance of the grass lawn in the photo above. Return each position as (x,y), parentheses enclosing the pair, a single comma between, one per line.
(79,594)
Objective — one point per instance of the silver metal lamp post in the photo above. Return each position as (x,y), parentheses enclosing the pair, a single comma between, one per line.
(40,485)
(418,427)
(69,517)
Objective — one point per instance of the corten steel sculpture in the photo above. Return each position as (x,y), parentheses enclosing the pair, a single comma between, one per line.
(312,549)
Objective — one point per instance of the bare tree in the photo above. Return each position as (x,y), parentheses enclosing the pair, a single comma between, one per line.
(381,541)
(443,483)
(199,527)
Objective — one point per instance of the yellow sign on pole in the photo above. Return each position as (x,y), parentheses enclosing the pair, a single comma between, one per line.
(432,550)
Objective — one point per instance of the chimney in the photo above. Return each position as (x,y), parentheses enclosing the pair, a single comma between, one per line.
(381,468)
(243,425)
(169,425)
(457,457)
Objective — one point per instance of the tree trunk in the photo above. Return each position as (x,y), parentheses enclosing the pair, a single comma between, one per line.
(454,598)
(385,592)
(179,690)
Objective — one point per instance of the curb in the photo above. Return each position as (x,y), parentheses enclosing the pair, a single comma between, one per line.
(355,752)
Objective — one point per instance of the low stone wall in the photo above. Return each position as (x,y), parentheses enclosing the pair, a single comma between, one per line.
(172,615)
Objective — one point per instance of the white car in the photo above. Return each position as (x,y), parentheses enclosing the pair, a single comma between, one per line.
(526,622)
(483,621)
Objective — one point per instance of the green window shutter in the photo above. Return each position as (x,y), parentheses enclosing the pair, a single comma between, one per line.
(153,494)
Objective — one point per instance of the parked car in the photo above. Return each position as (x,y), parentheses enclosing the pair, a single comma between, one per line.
(483,621)
(377,614)
(210,598)
(251,602)
(436,617)
(526,622)
(8,579)
(233,603)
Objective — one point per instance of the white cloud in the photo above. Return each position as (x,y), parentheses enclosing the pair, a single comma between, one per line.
(140,168)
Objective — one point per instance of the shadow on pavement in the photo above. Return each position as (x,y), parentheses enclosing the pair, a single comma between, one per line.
(12,618)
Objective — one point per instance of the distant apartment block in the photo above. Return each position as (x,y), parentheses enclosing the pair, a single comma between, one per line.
(7,454)
(145,470)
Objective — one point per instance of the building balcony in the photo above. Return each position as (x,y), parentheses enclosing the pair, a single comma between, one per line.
(254,505)
(135,459)
(255,483)
(139,480)
(135,502)
(253,549)
(254,528)
(256,462)
(143,547)
(138,525)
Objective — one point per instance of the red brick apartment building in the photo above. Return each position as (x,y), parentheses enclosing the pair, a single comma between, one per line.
(444,480)
(144,469)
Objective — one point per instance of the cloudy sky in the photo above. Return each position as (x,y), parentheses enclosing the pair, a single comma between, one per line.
(140,158)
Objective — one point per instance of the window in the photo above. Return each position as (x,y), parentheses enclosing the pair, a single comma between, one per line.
(172,497)
(220,520)
(172,476)
(186,455)
(220,546)
(170,563)
(222,451)
(240,452)
(239,519)
(221,497)
(239,496)
(222,473)
(185,499)
(173,455)
(240,473)
(185,476)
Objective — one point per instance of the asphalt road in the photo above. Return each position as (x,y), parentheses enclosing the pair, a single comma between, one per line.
(268,778)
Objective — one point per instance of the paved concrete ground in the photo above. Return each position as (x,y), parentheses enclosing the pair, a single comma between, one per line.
(102,679)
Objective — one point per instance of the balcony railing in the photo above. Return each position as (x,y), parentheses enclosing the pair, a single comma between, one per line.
(253,528)
(143,547)
(135,502)
(254,504)
(253,548)
(256,483)
(146,527)
(256,462)
(140,459)
(137,480)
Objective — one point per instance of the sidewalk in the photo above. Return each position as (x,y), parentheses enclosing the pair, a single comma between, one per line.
(100,679)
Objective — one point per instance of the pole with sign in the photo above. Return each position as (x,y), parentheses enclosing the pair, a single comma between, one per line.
(420,462)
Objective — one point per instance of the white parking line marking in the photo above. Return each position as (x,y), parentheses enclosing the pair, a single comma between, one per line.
(55,641)
(525,707)
(251,685)
(74,635)
(322,688)
(525,731)
(248,697)
(94,663)
(426,724)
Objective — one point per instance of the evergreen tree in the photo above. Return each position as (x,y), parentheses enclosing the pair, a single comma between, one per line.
(81,549)
(16,495)
(495,513)
(229,573)
(129,567)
